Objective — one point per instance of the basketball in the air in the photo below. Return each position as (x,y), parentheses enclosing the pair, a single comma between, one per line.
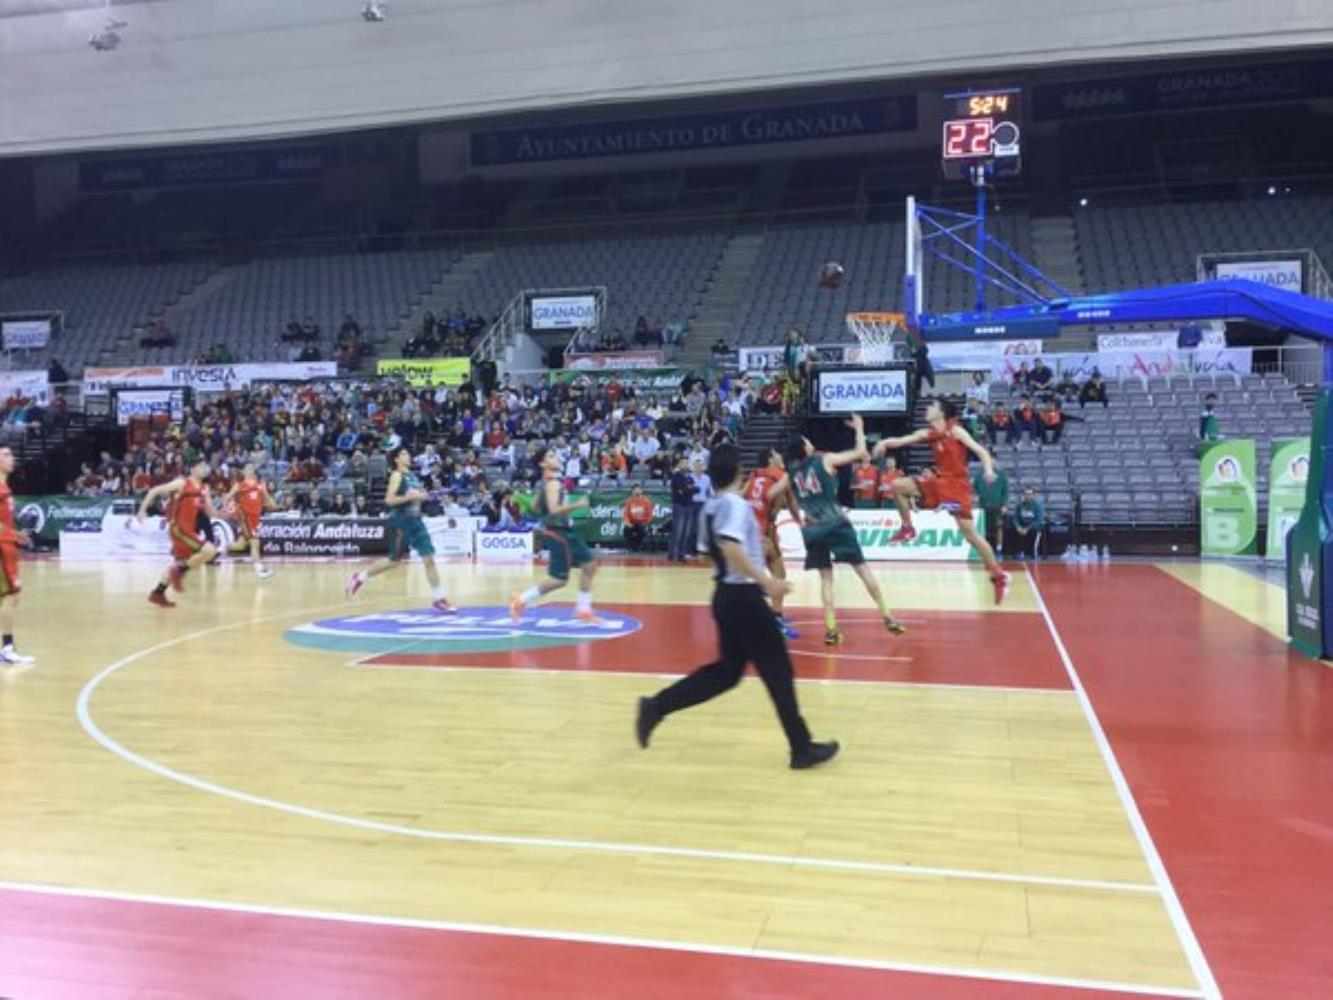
(831,274)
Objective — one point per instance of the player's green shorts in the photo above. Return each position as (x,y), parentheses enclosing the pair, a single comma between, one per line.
(567,550)
(406,534)
(830,540)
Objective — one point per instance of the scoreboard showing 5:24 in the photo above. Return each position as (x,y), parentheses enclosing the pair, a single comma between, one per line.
(982,129)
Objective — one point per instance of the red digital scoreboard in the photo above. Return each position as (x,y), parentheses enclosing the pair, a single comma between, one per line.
(982,129)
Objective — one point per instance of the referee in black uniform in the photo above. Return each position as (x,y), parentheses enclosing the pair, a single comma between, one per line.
(746,629)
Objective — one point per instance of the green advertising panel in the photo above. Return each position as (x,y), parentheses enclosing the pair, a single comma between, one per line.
(45,517)
(1307,544)
(1288,474)
(1230,516)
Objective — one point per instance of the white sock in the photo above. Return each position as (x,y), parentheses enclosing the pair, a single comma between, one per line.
(584,601)
(437,592)
(530,595)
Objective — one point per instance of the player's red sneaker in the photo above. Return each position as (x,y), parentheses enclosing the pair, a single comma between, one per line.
(516,607)
(904,534)
(176,577)
(161,600)
(588,617)
(354,583)
(1001,584)
(444,607)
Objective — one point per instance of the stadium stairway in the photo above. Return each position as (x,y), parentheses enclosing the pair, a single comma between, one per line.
(1055,247)
(719,304)
(761,432)
(442,299)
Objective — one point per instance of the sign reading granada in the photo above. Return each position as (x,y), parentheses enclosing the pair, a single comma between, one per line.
(473,630)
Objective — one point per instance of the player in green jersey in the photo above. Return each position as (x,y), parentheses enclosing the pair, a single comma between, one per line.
(407,532)
(565,546)
(828,533)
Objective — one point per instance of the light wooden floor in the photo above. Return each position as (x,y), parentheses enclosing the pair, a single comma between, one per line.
(967,828)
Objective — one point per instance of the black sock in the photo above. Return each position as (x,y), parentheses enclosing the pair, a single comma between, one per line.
(161,588)
(8,639)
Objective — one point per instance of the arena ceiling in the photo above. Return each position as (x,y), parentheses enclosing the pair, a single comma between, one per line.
(202,70)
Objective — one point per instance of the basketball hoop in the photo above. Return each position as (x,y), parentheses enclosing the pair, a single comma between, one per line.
(875,332)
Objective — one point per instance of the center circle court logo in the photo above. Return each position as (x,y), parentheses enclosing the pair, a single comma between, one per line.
(474,630)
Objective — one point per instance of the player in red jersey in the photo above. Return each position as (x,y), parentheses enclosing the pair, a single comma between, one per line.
(950,488)
(10,540)
(252,499)
(189,549)
(767,492)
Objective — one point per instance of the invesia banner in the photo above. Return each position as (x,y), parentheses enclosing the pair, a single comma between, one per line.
(1229,521)
(1289,472)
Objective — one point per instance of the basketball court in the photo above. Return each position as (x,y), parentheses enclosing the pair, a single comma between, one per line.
(289,790)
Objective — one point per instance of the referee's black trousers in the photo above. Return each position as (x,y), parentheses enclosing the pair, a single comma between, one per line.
(747,633)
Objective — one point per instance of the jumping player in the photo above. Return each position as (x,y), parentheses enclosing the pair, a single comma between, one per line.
(949,489)
(252,499)
(767,494)
(566,546)
(10,540)
(407,532)
(189,548)
(827,532)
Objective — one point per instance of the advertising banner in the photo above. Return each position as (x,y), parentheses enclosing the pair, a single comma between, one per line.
(651,380)
(203,378)
(45,517)
(22,334)
(874,390)
(614,362)
(954,356)
(132,403)
(1157,340)
(1288,475)
(427,373)
(763,359)
(719,130)
(503,546)
(937,536)
(193,169)
(34,385)
(1229,508)
(603,522)
(1173,90)
(1141,364)
(562,312)
(1285,274)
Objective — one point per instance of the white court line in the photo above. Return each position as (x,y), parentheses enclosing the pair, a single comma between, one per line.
(1188,941)
(576,937)
(90,726)
(364,664)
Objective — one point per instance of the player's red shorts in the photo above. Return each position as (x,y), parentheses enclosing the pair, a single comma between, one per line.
(247,524)
(9,569)
(953,495)
(184,543)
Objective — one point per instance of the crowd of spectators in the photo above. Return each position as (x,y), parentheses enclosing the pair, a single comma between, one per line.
(1042,409)
(646,336)
(316,442)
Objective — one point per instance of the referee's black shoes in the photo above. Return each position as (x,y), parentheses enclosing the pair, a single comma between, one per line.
(813,755)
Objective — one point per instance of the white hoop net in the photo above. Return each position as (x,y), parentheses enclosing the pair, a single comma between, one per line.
(875,332)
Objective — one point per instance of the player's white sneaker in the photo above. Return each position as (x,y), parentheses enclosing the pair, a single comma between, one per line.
(263,572)
(11,656)
(354,583)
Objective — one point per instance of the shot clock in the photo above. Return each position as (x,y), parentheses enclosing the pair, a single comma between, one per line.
(982,129)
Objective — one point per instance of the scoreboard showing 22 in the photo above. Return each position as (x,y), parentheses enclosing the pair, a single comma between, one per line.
(982,129)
